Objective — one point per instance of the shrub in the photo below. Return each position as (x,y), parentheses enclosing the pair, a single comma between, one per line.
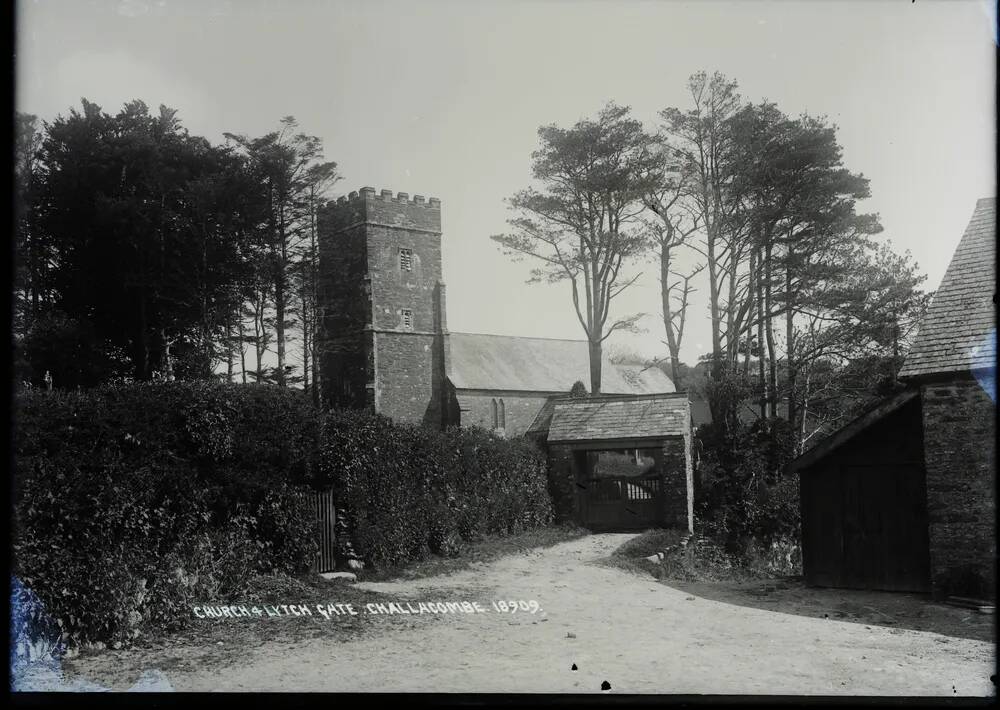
(754,500)
(411,490)
(131,501)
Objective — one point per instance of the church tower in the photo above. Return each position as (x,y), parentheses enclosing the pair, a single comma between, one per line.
(382,334)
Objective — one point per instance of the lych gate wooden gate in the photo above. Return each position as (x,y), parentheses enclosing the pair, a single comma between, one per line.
(620,502)
(326,512)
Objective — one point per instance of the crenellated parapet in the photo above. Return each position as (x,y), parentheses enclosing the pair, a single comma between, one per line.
(384,208)
(385,195)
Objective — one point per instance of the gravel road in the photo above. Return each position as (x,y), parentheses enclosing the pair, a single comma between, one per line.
(629,630)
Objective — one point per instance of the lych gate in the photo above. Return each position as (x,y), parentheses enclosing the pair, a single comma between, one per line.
(626,457)
(613,492)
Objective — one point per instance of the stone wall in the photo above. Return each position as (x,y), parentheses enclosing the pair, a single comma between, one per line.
(476,409)
(678,483)
(562,482)
(960,457)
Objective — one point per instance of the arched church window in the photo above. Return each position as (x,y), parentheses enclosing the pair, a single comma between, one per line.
(496,415)
(503,415)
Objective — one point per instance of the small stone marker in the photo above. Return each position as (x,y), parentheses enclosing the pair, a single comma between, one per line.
(349,576)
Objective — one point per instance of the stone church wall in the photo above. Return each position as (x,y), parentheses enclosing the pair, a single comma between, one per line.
(476,409)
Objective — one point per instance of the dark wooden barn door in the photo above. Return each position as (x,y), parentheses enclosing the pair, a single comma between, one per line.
(869,528)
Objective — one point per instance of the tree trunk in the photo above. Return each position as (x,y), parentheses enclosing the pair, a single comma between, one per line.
(790,340)
(243,350)
(751,296)
(761,372)
(305,340)
(258,330)
(668,320)
(732,337)
(595,366)
(800,440)
(313,323)
(229,347)
(772,394)
(713,307)
(279,310)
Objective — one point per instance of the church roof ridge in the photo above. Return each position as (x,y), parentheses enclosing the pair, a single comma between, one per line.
(519,337)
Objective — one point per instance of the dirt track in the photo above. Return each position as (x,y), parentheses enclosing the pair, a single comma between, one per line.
(639,635)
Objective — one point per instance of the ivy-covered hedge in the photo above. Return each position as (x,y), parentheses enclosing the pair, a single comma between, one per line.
(411,490)
(133,501)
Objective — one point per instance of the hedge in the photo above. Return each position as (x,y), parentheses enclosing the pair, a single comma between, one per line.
(131,502)
(410,490)
(134,502)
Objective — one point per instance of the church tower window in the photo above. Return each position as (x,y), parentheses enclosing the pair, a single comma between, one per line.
(407,318)
(406,260)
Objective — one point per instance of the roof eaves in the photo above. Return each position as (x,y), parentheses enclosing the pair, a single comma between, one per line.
(851,430)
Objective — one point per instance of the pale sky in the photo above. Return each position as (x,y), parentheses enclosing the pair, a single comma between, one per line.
(443,98)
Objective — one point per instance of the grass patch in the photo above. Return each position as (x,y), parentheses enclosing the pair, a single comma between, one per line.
(649,543)
(702,560)
(479,552)
(631,555)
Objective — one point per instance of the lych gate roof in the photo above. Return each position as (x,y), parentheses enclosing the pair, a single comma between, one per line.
(958,332)
(611,418)
(502,362)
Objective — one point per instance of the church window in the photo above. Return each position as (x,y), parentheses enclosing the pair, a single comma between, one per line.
(407,318)
(503,415)
(406,260)
(496,415)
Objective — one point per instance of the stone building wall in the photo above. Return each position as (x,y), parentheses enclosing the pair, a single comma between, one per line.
(476,409)
(960,458)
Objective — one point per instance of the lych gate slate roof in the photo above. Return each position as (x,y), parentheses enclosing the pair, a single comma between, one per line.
(611,418)
(958,333)
(502,362)
(544,417)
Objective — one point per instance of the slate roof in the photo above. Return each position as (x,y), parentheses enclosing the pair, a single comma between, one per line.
(609,418)
(859,424)
(503,362)
(543,419)
(958,333)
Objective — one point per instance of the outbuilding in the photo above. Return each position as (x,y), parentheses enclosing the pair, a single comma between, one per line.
(903,498)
